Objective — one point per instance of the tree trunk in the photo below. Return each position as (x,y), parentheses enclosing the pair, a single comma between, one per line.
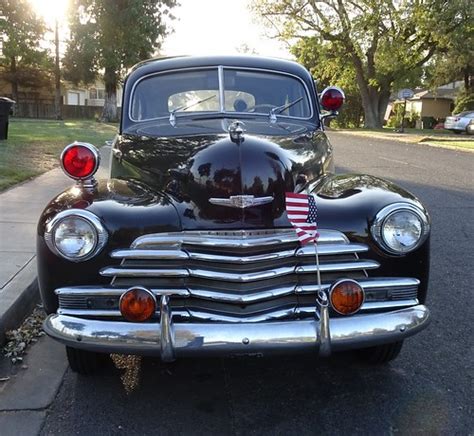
(14,83)
(57,77)
(109,112)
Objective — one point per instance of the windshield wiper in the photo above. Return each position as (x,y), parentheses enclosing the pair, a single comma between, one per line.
(183,108)
(280,109)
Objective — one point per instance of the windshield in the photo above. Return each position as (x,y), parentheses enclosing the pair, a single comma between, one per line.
(227,91)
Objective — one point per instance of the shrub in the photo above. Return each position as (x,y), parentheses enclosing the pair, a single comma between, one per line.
(464,102)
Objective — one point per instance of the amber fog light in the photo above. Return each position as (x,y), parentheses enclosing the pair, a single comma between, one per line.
(346,296)
(137,304)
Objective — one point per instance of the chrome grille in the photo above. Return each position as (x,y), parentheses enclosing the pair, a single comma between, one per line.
(236,275)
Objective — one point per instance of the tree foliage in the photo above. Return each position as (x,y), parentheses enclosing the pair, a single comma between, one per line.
(455,57)
(109,36)
(23,63)
(328,64)
(384,43)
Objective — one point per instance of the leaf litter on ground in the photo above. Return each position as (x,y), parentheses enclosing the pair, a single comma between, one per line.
(28,333)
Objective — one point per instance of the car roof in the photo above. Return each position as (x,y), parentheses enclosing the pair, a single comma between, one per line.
(248,61)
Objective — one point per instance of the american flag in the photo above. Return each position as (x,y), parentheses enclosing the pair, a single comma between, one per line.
(302,213)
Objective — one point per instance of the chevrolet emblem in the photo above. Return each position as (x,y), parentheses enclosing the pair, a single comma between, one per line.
(241,201)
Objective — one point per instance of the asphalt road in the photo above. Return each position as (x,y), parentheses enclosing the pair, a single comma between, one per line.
(427,390)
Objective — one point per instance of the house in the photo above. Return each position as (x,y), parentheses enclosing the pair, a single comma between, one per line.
(77,101)
(430,104)
(90,95)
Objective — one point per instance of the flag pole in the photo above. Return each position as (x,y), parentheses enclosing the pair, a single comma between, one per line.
(318,272)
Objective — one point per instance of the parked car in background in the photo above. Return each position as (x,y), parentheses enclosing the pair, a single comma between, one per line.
(198,243)
(462,122)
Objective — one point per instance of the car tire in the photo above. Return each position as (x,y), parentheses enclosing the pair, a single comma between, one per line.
(380,354)
(85,362)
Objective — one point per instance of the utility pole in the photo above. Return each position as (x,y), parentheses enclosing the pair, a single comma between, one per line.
(57,76)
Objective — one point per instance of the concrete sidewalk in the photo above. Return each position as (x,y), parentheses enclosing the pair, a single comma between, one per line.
(20,208)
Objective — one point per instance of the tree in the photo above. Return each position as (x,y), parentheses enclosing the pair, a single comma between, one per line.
(23,62)
(455,58)
(385,42)
(323,60)
(108,37)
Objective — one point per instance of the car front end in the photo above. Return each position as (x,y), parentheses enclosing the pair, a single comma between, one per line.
(187,249)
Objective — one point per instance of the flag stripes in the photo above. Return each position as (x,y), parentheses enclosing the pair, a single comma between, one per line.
(302,214)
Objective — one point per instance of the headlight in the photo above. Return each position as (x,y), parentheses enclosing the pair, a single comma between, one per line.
(400,228)
(76,235)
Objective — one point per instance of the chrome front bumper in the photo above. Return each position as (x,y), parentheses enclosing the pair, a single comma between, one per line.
(168,340)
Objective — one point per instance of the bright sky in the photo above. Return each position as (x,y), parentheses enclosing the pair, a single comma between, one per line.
(218,27)
(201,27)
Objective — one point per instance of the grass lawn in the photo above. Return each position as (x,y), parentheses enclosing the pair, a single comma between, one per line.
(451,143)
(34,146)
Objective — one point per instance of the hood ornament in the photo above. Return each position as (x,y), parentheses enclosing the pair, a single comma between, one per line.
(241,201)
(236,131)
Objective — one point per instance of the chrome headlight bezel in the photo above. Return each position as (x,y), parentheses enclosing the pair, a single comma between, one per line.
(377,228)
(100,233)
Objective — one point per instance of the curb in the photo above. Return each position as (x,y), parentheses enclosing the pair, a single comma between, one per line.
(18,298)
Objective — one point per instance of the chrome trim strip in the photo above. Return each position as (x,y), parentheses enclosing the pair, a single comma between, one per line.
(159,254)
(242,277)
(245,298)
(233,238)
(149,254)
(266,316)
(89,312)
(359,331)
(239,277)
(332,249)
(253,297)
(219,317)
(241,259)
(379,305)
(354,265)
(142,272)
(94,291)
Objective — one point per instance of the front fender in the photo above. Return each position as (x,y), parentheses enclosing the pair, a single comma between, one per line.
(126,209)
(350,202)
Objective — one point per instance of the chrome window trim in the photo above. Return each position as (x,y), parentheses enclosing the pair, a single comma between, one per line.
(385,213)
(101,232)
(221,68)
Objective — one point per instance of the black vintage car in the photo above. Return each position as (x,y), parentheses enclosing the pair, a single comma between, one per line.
(187,248)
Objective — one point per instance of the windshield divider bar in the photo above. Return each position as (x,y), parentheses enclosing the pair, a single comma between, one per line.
(220,71)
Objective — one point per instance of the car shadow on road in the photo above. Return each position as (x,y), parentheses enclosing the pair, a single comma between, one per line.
(248,395)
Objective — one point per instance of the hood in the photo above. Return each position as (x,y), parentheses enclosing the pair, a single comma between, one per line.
(203,174)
